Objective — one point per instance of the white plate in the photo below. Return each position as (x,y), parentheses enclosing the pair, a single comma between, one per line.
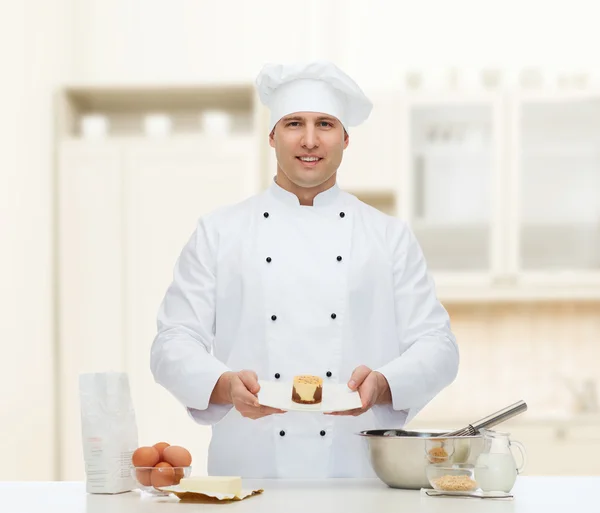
(336,397)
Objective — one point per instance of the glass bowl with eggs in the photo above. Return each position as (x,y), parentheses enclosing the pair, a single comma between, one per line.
(160,465)
(151,479)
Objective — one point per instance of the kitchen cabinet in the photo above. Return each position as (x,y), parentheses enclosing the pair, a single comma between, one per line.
(452,173)
(127,209)
(129,200)
(555,186)
(90,299)
(503,193)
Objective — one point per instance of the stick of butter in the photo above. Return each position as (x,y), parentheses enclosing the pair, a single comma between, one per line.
(229,485)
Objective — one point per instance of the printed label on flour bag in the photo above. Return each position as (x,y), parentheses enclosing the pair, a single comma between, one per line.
(109,431)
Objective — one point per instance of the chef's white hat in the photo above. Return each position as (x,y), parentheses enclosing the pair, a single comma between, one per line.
(318,86)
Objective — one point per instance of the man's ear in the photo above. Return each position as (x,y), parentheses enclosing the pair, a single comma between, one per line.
(346,139)
(272,138)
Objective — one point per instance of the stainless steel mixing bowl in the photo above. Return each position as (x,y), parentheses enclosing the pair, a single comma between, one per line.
(400,458)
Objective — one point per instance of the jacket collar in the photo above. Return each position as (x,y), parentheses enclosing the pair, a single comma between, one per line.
(326,198)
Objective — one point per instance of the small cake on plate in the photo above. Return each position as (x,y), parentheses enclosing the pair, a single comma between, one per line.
(307,389)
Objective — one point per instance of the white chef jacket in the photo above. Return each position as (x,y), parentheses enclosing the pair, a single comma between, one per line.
(283,289)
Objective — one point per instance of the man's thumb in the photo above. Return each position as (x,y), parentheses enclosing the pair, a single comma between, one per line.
(358,376)
(250,380)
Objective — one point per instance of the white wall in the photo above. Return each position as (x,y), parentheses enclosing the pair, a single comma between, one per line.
(34,53)
(375,41)
(133,40)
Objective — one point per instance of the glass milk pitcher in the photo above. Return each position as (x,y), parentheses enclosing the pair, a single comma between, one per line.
(496,469)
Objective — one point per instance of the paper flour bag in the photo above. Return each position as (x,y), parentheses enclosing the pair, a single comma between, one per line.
(109,431)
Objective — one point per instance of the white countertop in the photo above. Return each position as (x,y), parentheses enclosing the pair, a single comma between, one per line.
(531,494)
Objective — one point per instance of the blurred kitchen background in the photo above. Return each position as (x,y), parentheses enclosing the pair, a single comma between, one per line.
(124,121)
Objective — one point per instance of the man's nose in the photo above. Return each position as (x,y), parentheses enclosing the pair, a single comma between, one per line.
(310,138)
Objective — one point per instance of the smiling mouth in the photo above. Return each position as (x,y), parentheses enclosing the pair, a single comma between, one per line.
(309,161)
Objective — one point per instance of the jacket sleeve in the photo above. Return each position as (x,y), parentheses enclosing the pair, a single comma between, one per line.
(429,355)
(181,357)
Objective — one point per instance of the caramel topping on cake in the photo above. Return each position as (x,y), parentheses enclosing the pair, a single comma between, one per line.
(308,379)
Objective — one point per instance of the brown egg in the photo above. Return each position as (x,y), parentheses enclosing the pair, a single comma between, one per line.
(144,476)
(160,447)
(177,456)
(162,475)
(145,457)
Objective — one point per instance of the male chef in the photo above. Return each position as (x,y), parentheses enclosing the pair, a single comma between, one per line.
(302,278)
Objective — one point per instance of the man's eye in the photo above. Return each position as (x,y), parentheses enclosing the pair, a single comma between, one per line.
(293,123)
(326,124)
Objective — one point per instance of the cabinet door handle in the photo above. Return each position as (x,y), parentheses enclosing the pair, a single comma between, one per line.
(419,191)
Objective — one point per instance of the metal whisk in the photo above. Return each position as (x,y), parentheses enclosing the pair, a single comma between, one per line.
(491,420)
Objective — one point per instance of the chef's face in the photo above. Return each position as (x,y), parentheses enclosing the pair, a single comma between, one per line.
(309,147)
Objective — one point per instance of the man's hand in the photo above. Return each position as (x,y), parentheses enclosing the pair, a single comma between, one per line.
(240,389)
(372,387)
